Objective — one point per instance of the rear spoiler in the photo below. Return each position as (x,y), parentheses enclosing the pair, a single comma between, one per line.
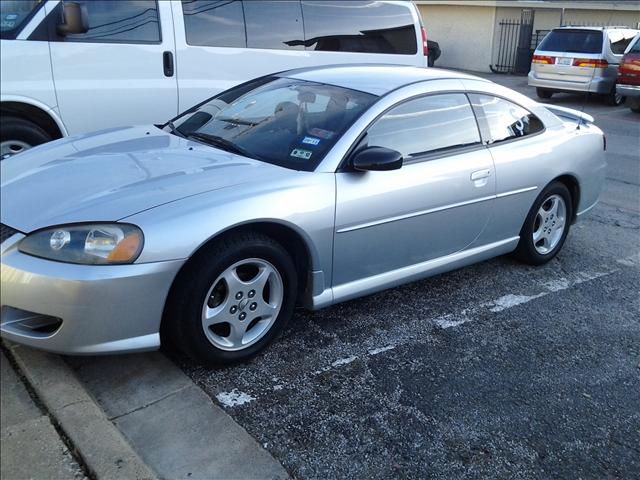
(570,114)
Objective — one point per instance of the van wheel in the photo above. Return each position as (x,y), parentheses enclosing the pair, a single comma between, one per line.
(544,93)
(18,135)
(634,104)
(614,98)
(231,300)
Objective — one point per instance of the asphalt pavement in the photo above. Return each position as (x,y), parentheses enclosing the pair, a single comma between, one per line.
(496,370)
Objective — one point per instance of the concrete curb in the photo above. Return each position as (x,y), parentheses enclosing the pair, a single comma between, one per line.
(103,449)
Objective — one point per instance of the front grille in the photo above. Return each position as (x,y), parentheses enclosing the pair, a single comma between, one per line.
(6,232)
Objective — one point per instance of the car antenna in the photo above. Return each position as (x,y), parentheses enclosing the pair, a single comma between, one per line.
(586,96)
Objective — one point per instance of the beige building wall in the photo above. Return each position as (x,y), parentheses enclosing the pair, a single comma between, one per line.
(468,31)
(464,33)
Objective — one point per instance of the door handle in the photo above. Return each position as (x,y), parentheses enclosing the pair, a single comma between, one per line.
(167,63)
(480,174)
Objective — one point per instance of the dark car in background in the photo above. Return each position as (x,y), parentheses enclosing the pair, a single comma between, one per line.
(628,83)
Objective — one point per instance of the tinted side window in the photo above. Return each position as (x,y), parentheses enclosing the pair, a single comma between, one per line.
(214,23)
(636,47)
(134,21)
(619,40)
(274,24)
(425,125)
(359,26)
(504,120)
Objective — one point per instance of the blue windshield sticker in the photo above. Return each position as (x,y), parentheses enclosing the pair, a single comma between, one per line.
(11,16)
(311,140)
(300,153)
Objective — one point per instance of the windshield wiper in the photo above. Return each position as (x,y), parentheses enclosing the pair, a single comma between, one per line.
(174,130)
(221,143)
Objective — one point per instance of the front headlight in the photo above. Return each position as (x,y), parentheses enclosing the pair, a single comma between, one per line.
(91,244)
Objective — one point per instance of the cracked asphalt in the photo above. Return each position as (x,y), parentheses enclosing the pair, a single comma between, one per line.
(496,370)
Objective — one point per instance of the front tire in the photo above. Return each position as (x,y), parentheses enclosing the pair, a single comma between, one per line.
(546,226)
(18,135)
(231,300)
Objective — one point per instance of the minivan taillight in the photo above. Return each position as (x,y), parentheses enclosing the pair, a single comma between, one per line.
(425,46)
(543,59)
(590,63)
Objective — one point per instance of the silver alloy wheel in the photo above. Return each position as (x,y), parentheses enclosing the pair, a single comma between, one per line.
(617,98)
(242,304)
(11,147)
(549,223)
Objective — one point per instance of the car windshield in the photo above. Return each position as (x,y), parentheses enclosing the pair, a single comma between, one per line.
(284,121)
(14,14)
(572,41)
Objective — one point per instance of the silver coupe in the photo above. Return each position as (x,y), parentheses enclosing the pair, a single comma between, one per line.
(310,186)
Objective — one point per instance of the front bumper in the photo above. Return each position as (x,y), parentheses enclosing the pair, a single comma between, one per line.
(628,90)
(599,84)
(99,309)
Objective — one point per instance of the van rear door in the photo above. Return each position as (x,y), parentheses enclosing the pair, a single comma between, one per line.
(121,71)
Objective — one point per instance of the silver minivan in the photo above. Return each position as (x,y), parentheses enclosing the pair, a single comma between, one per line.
(580,59)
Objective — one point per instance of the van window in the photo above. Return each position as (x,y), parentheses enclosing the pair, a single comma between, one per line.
(574,41)
(274,24)
(134,21)
(14,14)
(426,125)
(504,120)
(217,23)
(619,40)
(359,26)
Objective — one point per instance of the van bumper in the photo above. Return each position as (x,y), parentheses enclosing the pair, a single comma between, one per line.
(599,84)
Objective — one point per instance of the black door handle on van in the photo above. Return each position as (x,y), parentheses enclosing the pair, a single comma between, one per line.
(167,61)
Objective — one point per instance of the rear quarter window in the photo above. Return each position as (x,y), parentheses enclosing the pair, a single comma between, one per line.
(572,41)
(359,26)
(619,40)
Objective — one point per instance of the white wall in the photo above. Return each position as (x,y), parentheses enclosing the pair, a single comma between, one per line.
(464,33)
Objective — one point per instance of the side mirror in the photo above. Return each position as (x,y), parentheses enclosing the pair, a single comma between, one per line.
(377,159)
(75,19)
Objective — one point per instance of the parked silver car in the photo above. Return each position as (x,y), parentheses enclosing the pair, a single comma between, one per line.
(580,59)
(310,186)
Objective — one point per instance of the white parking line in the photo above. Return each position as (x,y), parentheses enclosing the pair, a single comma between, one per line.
(405,334)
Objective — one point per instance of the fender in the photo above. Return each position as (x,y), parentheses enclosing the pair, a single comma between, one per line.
(38,104)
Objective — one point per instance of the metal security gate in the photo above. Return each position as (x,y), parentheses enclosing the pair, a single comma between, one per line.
(514,44)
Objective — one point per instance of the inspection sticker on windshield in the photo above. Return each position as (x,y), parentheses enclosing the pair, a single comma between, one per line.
(319,132)
(311,140)
(300,153)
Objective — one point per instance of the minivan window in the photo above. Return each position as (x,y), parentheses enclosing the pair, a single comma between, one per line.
(504,120)
(288,122)
(274,24)
(14,14)
(217,23)
(131,21)
(572,41)
(619,40)
(635,48)
(359,26)
(426,125)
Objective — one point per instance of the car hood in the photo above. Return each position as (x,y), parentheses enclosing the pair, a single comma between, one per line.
(110,175)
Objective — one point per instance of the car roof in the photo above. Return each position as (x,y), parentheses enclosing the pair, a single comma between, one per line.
(376,79)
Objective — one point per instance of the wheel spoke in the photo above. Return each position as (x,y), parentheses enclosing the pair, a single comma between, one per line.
(234,284)
(237,332)
(265,310)
(259,281)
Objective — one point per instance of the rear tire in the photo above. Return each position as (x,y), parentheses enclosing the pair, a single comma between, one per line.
(18,135)
(231,300)
(546,226)
(544,93)
(634,104)
(614,99)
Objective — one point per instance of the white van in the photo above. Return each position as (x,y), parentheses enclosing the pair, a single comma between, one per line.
(74,67)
